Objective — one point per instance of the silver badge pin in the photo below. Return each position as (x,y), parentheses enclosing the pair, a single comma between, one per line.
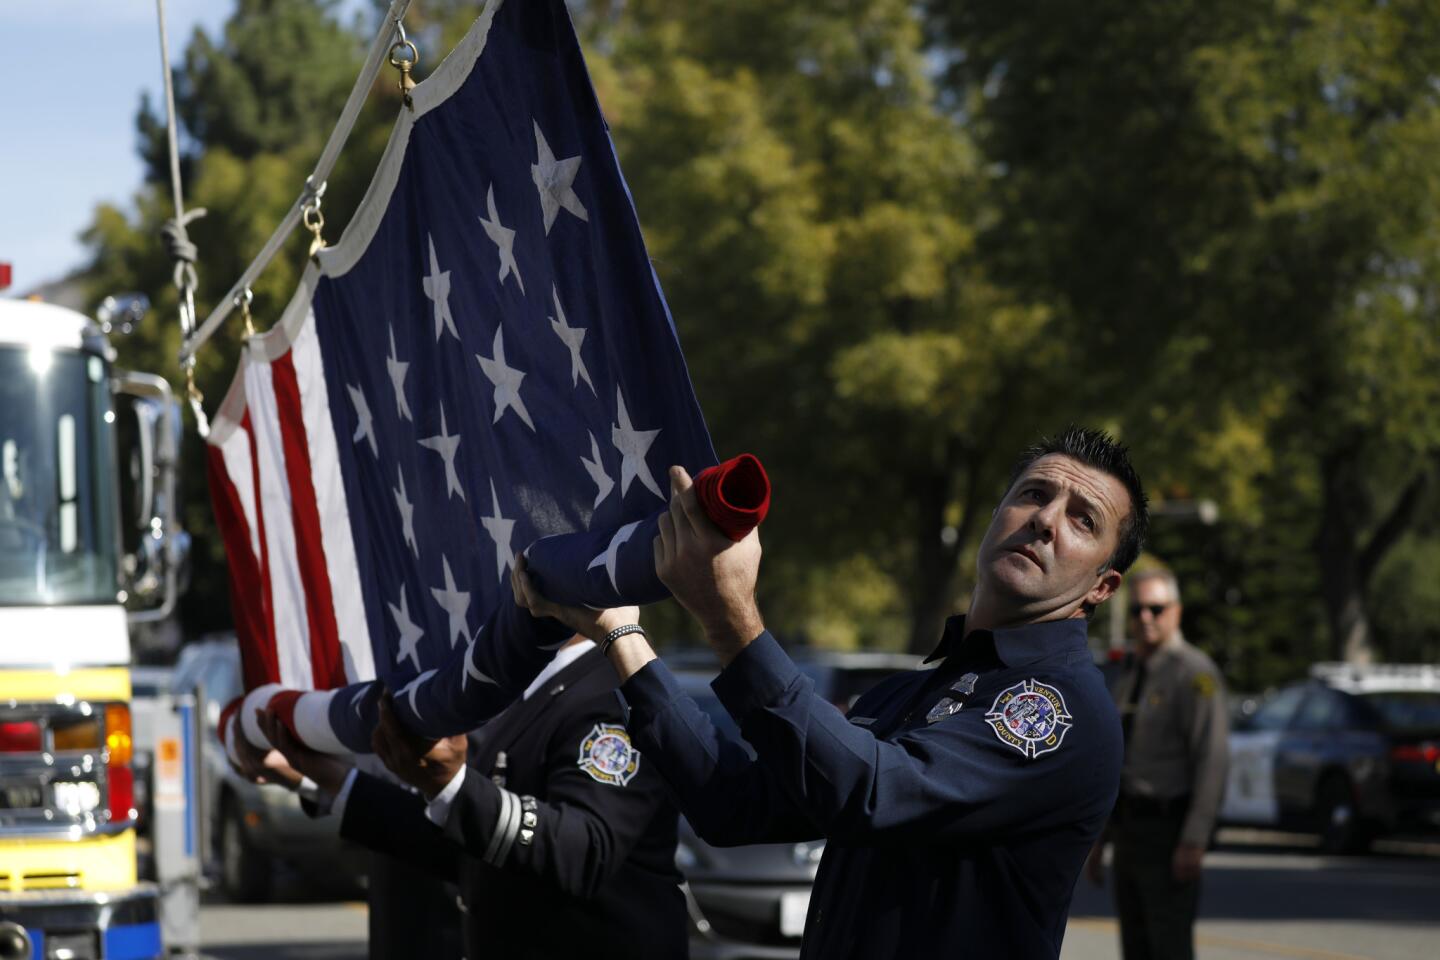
(949,706)
(945,707)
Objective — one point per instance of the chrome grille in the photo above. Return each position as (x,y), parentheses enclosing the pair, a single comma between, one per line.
(53,791)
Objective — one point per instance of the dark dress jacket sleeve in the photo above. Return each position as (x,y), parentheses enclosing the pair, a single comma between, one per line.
(391,820)
(727,796)
(950,781)
(584,827)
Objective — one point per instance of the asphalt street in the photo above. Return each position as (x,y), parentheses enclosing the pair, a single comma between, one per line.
(1265,897)
(1268,896)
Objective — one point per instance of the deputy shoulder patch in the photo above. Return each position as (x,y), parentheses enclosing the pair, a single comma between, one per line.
(608,756)
(1204,684)
(1031,717)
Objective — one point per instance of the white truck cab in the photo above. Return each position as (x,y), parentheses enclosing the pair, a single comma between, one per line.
(68,879)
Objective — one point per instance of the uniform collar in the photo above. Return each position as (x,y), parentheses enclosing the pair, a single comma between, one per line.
(1165,651)
(563,659)
(1023,645)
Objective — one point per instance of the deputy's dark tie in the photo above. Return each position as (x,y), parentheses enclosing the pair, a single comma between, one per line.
(1132,703)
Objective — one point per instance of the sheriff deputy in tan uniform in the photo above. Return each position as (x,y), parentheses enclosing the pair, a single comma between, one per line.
(1173,714)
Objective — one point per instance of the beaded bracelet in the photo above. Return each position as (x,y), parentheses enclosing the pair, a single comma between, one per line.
(616,634)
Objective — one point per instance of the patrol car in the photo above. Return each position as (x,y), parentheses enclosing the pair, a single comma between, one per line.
(1352,753)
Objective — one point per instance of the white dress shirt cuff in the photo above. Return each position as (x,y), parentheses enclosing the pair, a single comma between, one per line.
(438,810)
(310,790)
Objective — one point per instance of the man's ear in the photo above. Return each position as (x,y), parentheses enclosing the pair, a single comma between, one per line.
(1105,587)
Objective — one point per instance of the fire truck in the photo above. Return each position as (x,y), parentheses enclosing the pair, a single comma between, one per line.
(88,546)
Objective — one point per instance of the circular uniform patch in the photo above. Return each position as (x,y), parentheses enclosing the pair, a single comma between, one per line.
(1031,717)
(607,755)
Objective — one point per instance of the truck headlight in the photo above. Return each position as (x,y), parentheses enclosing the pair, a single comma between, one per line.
(76,798)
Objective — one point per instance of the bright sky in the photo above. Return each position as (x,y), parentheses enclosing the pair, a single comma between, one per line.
(77,68)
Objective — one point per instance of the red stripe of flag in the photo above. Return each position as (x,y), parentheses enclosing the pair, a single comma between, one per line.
(326,661)
(267,644)
(249,600)
(230,710)
(282,705)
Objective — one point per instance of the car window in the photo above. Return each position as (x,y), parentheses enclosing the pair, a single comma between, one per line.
(1407,711)
(187,672)
(222,679)
(217,669)
(1322,710)
(209,671)
(1360,714)
(1276,713)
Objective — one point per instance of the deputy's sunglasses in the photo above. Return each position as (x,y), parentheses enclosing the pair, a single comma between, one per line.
(1155,609)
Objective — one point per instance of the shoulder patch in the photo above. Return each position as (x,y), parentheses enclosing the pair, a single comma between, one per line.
(1031,717)
(1204,684)
(608,756)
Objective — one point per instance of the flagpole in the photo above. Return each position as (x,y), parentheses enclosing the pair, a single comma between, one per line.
(389,30)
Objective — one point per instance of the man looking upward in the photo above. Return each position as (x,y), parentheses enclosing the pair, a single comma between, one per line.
(958,804)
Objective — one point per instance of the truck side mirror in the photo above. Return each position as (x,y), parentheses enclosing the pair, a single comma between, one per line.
(155,550)
(122,312)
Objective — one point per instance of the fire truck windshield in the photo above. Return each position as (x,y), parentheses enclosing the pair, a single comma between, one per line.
(58,526)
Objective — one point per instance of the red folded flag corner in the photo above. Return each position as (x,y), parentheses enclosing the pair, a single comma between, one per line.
(282,704)
(735,494)
(230,710)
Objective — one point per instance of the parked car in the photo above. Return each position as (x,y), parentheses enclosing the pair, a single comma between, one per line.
(750,902)
(1351,754)
(251,828)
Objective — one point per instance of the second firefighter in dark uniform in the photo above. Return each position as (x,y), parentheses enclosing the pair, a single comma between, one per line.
(559,833)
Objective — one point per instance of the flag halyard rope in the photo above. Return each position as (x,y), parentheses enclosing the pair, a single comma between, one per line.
(309,199)
(177,240)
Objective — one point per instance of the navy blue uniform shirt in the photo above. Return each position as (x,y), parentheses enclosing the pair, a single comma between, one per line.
(958,804)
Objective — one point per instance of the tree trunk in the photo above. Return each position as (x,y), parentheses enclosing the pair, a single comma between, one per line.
(938,553)
(1346,566)
(1338,546)
(936,563)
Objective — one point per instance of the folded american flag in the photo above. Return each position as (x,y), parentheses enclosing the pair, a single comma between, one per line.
(483,360)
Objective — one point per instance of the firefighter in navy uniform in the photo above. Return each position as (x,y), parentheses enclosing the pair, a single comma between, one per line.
(958,805)
(558,831)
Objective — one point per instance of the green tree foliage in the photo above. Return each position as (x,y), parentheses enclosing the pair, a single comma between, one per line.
(1239,200)
(270,85)
(812,214)
(899,243)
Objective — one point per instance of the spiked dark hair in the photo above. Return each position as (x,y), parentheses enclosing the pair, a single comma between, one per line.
(1096,448)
